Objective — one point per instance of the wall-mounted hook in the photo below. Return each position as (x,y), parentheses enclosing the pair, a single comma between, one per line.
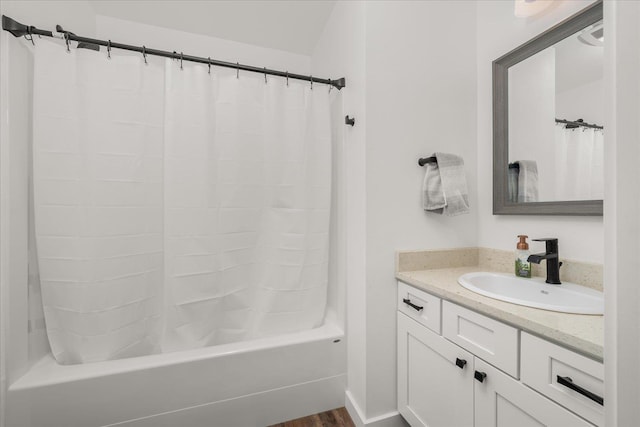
(349,121)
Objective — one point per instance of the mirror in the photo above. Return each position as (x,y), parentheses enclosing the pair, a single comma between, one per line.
(547,121)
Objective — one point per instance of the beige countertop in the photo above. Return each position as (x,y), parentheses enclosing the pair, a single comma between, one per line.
(579,332)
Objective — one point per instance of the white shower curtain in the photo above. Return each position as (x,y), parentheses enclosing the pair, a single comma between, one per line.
(97,165)
(175,208)
(579,164)
(248,169)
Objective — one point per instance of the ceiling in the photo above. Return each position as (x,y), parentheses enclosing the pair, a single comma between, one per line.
(577,63)
(293,26)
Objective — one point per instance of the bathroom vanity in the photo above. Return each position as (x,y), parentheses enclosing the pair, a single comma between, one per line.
(465,359)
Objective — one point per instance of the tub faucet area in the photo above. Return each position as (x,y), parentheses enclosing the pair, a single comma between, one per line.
(551,256)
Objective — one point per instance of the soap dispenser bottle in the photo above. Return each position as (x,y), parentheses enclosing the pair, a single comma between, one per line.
(523,266)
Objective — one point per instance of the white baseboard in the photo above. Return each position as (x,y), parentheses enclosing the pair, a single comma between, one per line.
(390,419)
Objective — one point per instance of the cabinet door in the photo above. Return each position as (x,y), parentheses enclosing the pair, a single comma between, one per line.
(434,378)
(502,401)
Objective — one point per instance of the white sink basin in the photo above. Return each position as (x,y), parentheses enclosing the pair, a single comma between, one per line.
(567,297)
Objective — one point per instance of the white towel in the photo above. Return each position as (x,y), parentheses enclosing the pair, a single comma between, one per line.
(445,186)
(512,184)
(527,181)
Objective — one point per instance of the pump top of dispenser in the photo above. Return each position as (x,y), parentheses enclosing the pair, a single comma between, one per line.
(522,244)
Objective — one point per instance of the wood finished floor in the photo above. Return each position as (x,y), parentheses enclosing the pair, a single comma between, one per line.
(338,417)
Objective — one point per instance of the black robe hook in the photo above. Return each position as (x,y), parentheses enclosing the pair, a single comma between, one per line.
(349,121)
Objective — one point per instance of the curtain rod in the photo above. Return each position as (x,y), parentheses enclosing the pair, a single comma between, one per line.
(19,30)
(577,123)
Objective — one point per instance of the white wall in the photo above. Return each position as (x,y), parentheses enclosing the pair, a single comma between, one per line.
(584,102)
(622,212)
(76,16)
(418,95)
(195,44)
(499,31)
(579,81)
(423,95)
(340,52)
(420,98)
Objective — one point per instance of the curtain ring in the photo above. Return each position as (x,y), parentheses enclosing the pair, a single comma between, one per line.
(109,49)
(144,54)
(265,75)
(209,64)
(66,40)
(287,78)
(181,61)
(30,35)
(311,82)
(237,70)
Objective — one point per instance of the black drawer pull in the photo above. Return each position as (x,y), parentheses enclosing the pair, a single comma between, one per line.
(460,363)
(408,302)
(480,376)
(568,382)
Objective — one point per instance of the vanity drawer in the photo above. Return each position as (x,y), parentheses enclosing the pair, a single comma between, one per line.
(544,364)
(488,339)
(420,306)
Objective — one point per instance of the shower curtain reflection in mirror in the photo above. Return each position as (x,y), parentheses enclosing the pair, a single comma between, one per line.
(579,163)
(174,208)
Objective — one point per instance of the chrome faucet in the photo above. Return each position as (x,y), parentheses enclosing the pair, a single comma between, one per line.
(551,256)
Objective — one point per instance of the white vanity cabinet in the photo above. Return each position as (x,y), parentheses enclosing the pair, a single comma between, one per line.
(468,375)
(434,378)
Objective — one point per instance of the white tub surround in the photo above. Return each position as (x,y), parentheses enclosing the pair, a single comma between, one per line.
(242,384)
(437,273)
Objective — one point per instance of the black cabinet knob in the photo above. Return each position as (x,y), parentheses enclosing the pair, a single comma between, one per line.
(480,376)
(460,363)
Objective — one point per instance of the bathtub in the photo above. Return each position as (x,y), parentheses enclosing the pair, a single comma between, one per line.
(244,384)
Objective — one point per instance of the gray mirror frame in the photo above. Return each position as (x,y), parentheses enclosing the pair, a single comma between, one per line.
(501,206)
